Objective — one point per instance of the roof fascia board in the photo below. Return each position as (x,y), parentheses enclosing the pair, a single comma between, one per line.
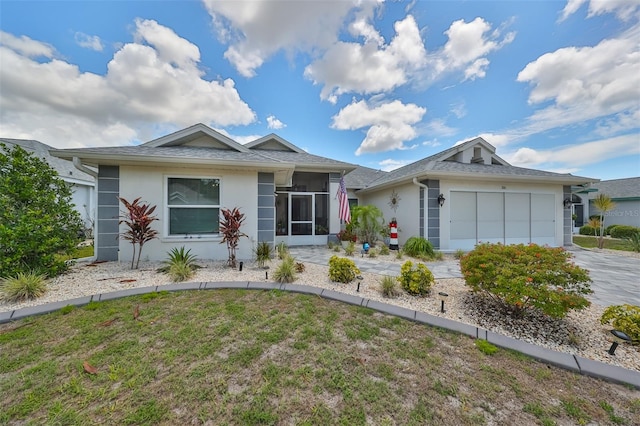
(272,136)
(195,129)
(568,180)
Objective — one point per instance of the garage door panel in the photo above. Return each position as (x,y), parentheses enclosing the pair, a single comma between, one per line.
(491,217)
(463,216)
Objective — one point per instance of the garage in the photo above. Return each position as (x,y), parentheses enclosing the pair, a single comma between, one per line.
(501,217)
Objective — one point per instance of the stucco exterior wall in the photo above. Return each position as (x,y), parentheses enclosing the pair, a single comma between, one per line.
(407,212)
(237,189)
(625,213)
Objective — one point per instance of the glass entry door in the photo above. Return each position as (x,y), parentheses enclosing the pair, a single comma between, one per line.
(302,218)
(301,214)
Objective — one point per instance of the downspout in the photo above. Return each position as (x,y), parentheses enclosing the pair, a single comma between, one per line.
(77,163)
(426,206)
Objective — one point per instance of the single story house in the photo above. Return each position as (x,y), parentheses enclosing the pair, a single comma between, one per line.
(467,194)
(82,183)
(456,198)
(285,193)
(625,193)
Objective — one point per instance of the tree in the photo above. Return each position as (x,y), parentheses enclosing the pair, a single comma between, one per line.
(603,203)
(230,224)
(37,220)
(138,219)
(368,222)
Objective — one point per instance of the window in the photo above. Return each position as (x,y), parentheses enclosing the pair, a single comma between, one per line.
(193,206)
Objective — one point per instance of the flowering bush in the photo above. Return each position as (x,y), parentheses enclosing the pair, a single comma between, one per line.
(521,277)
(415,280)
(346,235)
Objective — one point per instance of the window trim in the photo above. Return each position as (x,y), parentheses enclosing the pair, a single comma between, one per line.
(167,208)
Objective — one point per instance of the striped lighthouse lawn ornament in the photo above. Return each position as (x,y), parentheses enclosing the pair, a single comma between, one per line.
(393,235)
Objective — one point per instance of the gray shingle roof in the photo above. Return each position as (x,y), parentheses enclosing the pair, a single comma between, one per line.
(617,188)
(253,156)
(362,176)
(440,164)
(65,168)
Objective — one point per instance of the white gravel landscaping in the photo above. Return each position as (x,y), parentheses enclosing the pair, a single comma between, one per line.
(580,333)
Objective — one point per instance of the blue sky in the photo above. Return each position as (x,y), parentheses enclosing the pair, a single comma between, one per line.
(554,85)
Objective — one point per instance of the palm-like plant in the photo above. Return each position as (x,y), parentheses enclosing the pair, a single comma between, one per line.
(603,203)
(368,222)
(230,224)
(138,219)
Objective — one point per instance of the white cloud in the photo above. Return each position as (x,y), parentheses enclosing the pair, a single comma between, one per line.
(370,67)
(389,124)
(256,30)
(274,123)
(623,9)
(439,127)
(466,49)
(25,46)
(152,83)
(585,83)
(89,42)
(242,139)
(390,164)
(575,156)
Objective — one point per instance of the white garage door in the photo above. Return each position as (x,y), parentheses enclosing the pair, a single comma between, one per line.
(498,217)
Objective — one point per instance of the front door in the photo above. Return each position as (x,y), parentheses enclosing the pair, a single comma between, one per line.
(299,216)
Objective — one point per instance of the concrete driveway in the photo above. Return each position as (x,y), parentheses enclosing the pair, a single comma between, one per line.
(616,279)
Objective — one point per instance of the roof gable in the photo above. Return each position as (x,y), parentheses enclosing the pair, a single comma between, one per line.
(476,150)
(200,136)
(273,142)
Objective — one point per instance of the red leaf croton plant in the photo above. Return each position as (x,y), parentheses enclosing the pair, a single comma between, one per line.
(230,223)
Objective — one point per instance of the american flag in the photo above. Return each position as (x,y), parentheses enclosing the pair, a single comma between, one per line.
(343,200)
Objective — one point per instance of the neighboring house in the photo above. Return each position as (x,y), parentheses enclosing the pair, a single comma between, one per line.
(457,198)
(285,193)
(82,184)
(467,194)
(625,193)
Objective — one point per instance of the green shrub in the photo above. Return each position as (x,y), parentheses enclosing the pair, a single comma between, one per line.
(179,272)
(384,250)
(418,247)
(342,270)
(634,241)
(350,249)
(589,230)
(623,231)
(389,287)
(458,254)
(38,224)
(285,272)
(180,265)
(625,318)
(263,253)
(486,347)
(373,253)
(415,280)
(23,286)
(520,277)
(608,229)
(282,249)
(399,254)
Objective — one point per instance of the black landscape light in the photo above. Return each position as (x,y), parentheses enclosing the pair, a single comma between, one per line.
(619,337)
(359,278)
(442,296)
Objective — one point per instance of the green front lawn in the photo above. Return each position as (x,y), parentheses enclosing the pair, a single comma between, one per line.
(251,357)
(609,243)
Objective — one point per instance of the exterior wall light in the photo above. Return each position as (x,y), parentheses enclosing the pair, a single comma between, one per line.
(567,203)
(441,200)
